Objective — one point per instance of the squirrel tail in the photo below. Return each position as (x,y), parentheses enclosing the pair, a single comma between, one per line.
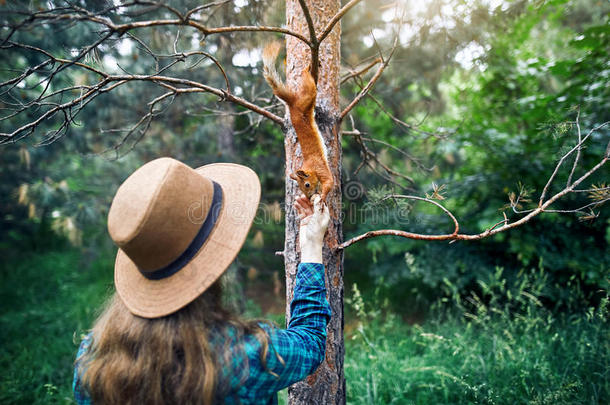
(270,53)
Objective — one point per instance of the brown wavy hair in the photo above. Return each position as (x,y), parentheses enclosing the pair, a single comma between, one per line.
(168,360)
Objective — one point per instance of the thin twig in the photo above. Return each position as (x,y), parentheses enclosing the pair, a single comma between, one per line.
(389,145)
(371,82)
(578,150)
(429,201)
(361,71)
(593,204)
(368,155)
(563,158)
(591,189)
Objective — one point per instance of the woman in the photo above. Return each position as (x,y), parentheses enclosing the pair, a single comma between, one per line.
(165,337)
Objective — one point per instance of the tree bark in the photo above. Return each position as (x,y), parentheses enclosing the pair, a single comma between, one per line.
(327,384)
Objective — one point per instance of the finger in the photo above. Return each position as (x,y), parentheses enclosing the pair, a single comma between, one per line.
(323,209)
(302,207)
(299,209)
(302,198)
(298,204)
(326,216)
(307,207)
(316,203)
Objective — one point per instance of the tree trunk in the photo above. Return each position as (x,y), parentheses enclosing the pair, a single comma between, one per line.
(327,384)
(225,133)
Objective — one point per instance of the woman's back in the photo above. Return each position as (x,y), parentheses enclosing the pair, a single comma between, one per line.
(251,361)
(165,337)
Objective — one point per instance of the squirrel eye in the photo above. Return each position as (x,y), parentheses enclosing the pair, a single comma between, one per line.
(307,185)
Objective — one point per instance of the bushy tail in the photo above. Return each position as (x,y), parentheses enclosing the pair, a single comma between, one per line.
(270,53)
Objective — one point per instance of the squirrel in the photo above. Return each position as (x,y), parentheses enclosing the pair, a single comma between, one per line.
(314,176)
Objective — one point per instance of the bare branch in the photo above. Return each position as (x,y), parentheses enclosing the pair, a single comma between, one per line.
(75,13)
(314,45)
(406,127)
(429,201)
(505,223)
(578,150)
(50,102)
(337,17)
(368,155)
(360,72)
(371,82)
(564,157)
(95,90)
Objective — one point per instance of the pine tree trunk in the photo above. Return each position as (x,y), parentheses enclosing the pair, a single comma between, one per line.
(327,384)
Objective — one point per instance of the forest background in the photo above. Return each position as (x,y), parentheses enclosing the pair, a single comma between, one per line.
(478,104)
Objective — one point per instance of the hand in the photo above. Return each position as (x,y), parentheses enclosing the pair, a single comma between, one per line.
(314,222)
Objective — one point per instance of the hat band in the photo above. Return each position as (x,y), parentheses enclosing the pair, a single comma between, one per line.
(198,241)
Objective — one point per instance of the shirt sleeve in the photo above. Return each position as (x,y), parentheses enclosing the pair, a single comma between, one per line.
(296,352)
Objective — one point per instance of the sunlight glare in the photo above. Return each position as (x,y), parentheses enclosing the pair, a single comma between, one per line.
(467,57)
(245,58)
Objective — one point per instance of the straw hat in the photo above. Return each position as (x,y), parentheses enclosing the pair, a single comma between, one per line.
(177,230)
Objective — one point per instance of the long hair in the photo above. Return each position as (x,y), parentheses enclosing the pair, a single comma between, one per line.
(168,360)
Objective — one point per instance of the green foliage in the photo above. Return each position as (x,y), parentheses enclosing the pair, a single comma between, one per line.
(501,346)
(475,137)
(496,345)
(522,107)
(514,112)
(48,300)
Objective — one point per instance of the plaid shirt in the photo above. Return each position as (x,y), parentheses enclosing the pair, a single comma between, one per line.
(301,346)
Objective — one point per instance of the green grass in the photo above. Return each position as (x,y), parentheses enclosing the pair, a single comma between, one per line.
(503,352)
(510,354)
(47,301)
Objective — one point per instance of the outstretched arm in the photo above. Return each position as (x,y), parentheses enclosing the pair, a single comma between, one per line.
(296,352)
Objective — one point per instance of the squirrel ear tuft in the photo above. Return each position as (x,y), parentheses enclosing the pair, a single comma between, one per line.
(302,174)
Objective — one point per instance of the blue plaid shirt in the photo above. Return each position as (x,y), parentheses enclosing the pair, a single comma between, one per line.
(301,346)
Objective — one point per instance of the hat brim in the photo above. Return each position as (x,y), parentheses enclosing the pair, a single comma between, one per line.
(156,298)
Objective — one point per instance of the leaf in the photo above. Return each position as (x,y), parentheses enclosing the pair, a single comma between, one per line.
(599,193)
(436,192)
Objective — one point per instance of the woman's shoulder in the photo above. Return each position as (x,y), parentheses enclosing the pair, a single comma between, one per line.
(80,395)
(84,345)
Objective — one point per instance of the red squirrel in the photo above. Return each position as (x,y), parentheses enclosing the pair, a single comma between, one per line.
(314,176)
